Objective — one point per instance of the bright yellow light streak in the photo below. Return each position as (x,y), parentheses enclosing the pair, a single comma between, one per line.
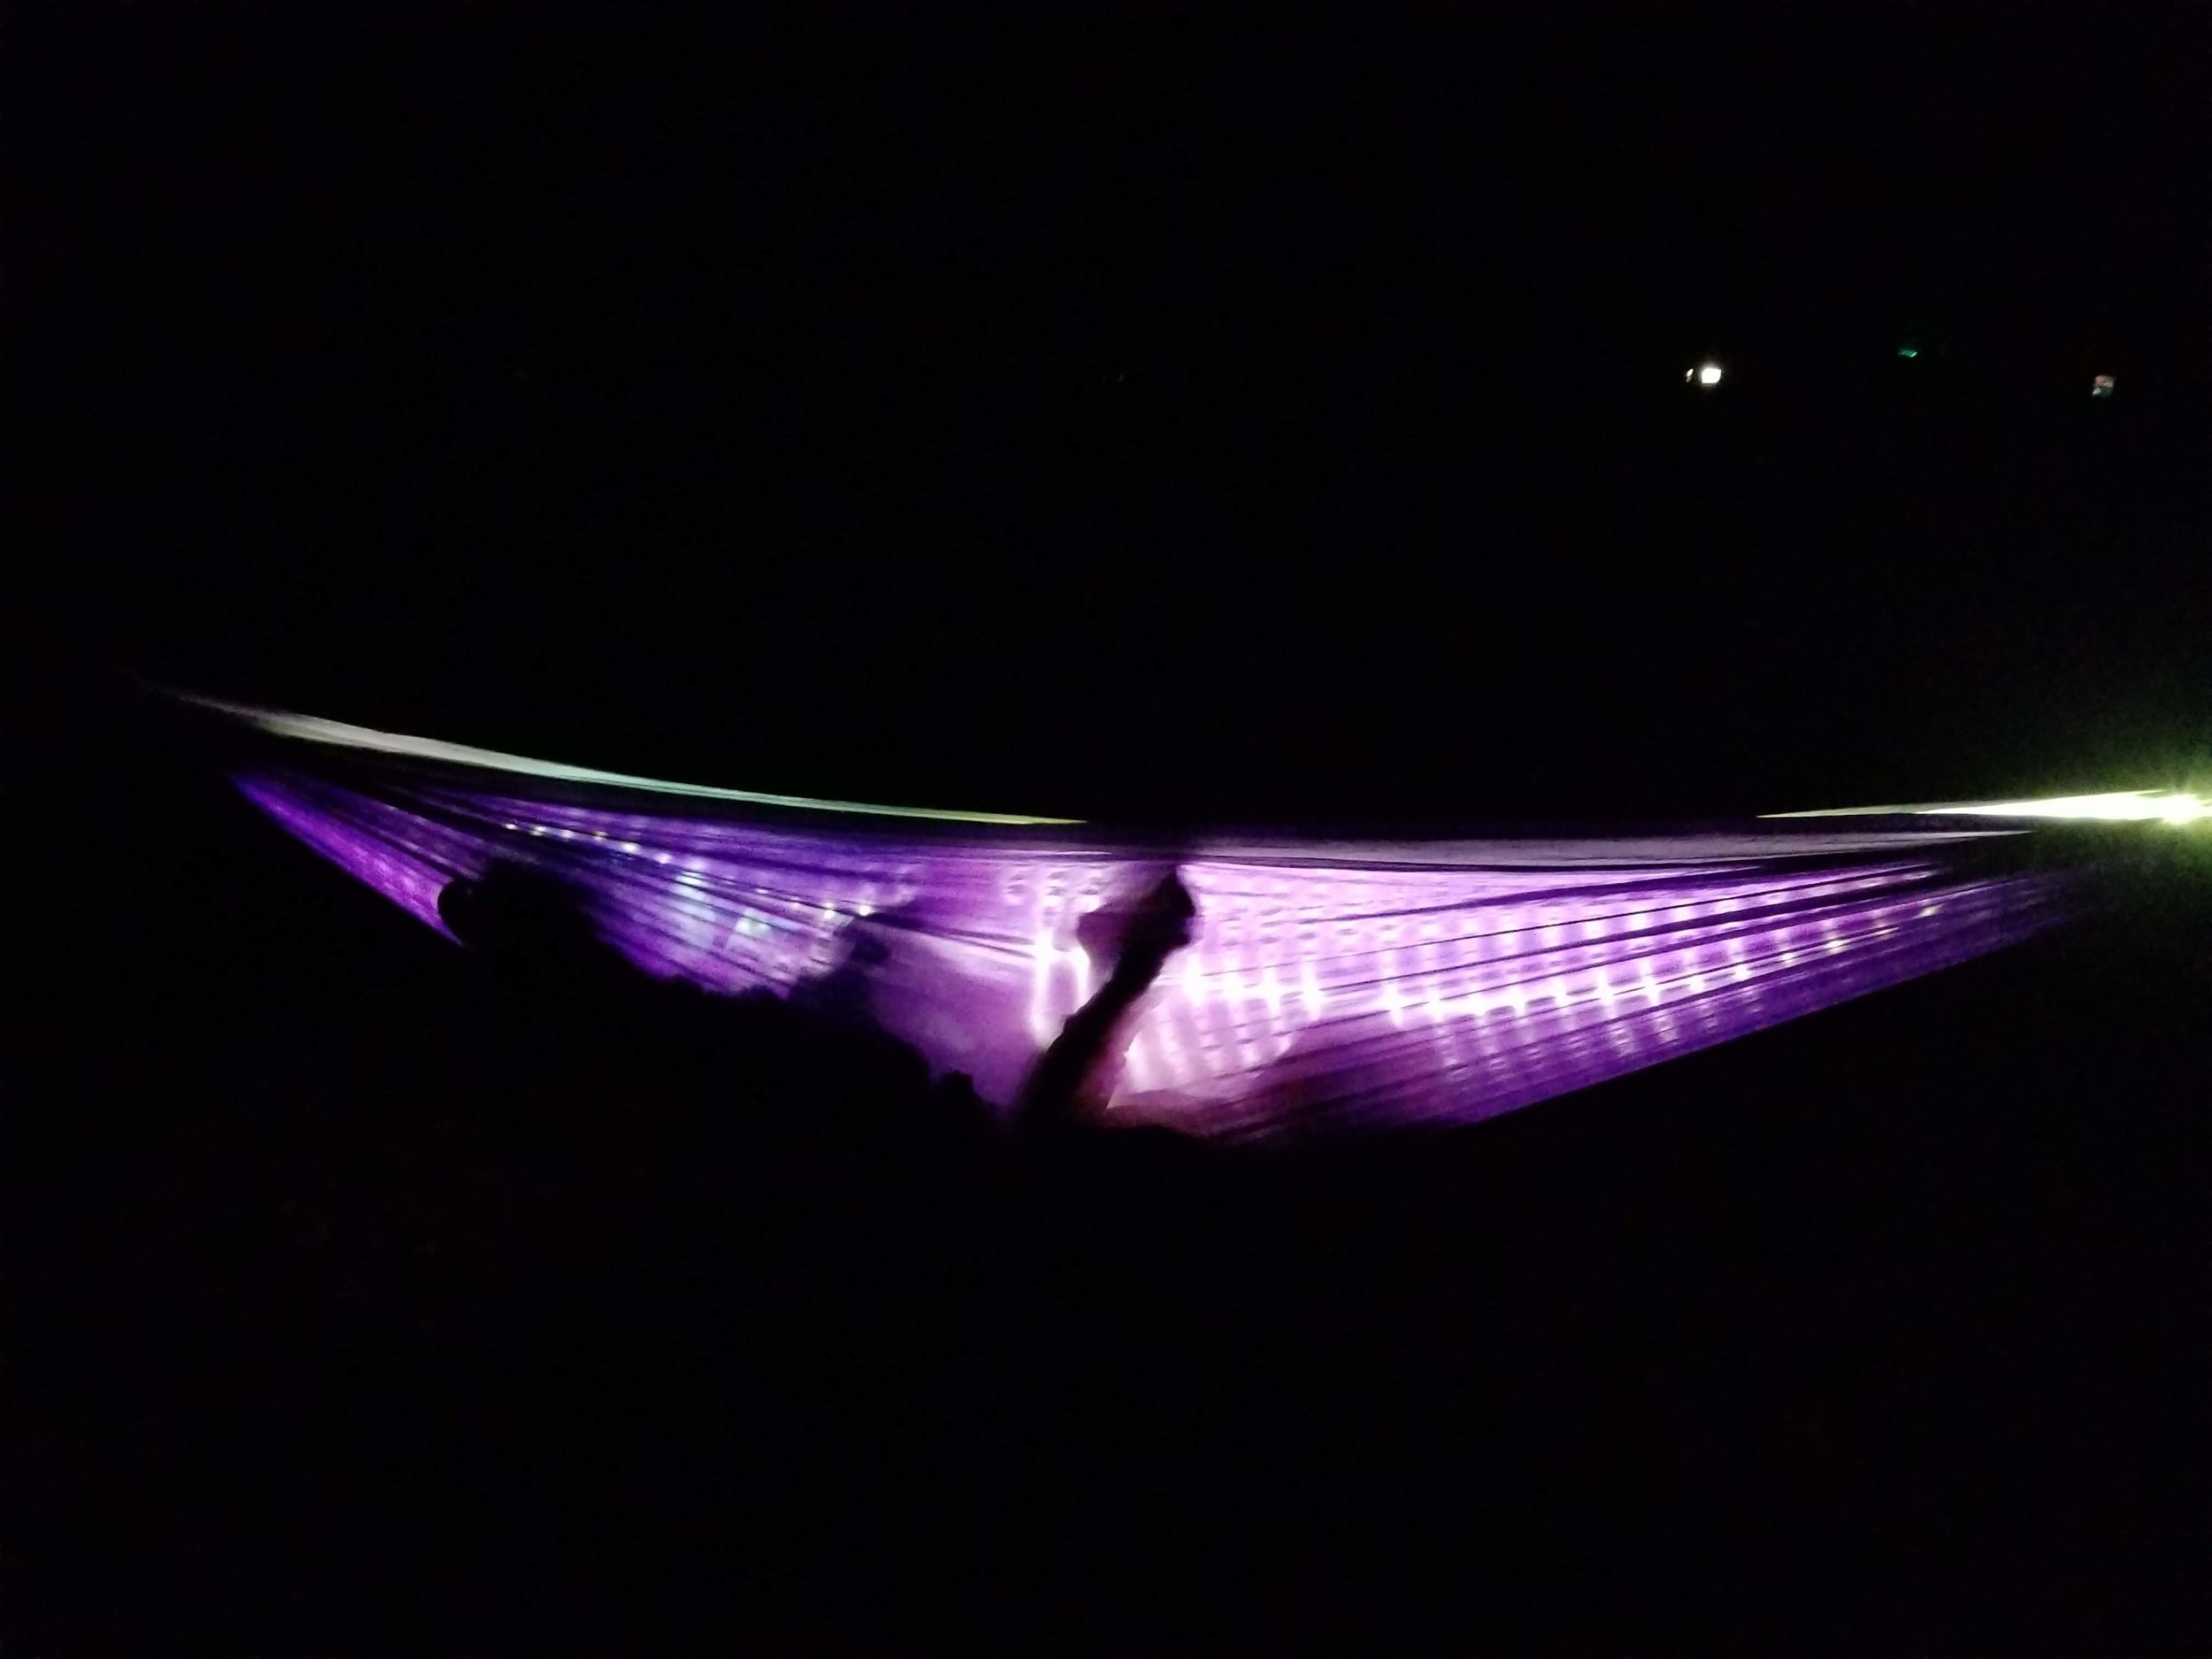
(2127,806)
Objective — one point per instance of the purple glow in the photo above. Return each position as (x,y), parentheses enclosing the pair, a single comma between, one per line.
(1340,987)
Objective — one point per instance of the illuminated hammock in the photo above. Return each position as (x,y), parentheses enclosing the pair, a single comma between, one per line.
(1329,985)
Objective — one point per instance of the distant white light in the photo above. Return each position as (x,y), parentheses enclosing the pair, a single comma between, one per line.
(2135,807)
(1708,374)
(2132,806)
(2101,385)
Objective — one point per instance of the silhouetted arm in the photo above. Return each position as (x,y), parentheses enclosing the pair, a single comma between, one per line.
(1097,1032)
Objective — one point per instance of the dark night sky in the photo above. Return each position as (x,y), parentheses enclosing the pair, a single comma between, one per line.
(1131,411)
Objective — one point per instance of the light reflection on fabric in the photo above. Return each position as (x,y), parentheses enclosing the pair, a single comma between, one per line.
(1330,986)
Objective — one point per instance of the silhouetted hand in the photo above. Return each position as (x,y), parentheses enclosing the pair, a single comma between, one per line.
(1142,940)
(1139,939)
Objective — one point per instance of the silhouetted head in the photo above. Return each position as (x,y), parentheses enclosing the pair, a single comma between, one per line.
(522,919)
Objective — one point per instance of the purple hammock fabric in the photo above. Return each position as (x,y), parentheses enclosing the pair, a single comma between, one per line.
(1331,985)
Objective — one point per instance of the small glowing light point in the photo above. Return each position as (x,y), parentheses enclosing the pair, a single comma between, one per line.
(2101,385)
(1708,374)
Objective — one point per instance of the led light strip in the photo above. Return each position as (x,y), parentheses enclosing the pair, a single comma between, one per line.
(310,729)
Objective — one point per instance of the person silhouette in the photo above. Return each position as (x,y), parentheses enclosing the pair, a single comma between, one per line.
(1072,1081)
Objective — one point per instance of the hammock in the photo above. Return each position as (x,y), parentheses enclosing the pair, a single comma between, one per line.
(1329,985)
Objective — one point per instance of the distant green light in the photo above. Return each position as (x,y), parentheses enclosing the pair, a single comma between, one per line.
(1908,352)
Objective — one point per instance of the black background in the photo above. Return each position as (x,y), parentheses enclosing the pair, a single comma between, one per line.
(1127,411)
(1137,414)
